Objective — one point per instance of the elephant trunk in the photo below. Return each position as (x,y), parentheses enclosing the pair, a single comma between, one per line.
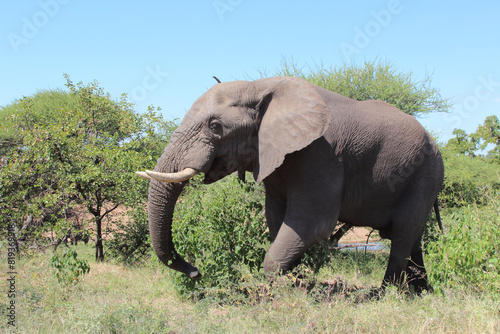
(161,203)
(180,161)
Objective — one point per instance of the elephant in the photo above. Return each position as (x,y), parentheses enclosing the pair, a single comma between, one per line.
(323,158)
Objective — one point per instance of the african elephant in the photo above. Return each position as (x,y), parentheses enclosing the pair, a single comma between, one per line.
(322,158)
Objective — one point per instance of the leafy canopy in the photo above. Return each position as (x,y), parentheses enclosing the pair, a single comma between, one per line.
(374,81)
(486,138)
(78,149)
(44,105)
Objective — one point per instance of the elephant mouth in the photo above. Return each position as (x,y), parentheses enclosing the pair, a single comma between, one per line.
(218,170)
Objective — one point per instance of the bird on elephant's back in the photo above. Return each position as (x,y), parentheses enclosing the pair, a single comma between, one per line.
(322,158)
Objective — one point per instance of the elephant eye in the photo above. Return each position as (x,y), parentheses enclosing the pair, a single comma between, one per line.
(216,126)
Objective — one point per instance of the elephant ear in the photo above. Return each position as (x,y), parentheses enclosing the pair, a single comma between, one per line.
(293,115)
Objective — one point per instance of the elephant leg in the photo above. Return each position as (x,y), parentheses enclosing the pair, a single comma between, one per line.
(275,214)
(408,223)
(308,220)
(285,251)
(398,261)
(409,269)
(415,270)
(309,186)
(292,240)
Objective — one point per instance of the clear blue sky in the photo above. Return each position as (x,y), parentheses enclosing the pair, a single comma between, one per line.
(165,52)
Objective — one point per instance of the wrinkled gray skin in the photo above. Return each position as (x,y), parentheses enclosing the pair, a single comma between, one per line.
(322,157)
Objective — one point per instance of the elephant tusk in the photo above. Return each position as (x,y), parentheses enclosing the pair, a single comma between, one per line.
(183,175)
(144,175)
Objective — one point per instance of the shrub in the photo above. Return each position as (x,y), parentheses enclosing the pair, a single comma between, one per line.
(468,253)
(468,180)
(221,228)
(375,80)
(131,243)
(68,269)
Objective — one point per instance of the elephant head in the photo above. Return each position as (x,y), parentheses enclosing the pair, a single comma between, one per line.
(235,126)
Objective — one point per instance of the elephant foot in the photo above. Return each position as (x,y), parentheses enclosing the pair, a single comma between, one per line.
(420,287)
(417,280)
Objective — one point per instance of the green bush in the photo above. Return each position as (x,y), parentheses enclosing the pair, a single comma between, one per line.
(456,194)
(221,229)
(131,243)
(374,80)
(467,255)
(68,269)
(468,180)
(317,256)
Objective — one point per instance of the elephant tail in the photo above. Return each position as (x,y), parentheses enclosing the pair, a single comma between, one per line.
(438,216)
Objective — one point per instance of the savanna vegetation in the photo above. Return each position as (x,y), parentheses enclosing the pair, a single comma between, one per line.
(65,153)
(67,159)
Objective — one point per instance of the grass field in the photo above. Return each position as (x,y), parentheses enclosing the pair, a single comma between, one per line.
(113,298)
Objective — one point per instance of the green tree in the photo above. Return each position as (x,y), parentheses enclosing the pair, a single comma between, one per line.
(471,170)
(83,154)
(463,143)
(31,199)
(95,156)
(487,136)
(44,105)
(374,81)
(467,178)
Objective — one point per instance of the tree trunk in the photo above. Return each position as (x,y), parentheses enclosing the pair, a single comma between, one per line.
(99,250)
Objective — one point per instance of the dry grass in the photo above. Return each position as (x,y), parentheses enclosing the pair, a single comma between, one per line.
(118,299)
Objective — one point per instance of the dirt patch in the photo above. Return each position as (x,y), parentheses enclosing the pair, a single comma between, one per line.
(359,235)
(82,220)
